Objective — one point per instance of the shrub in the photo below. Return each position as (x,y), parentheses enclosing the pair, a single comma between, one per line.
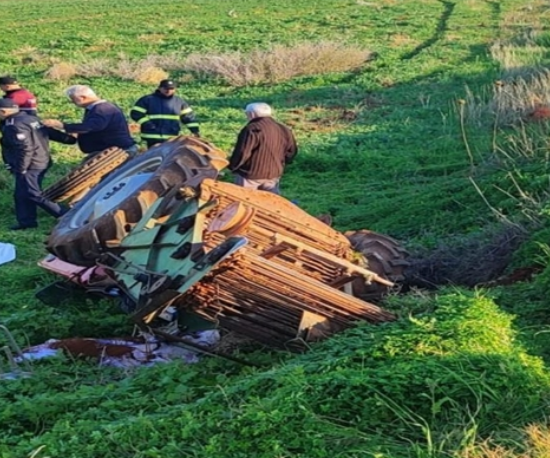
(523,88)
(279,63)
(150,75)
(62,71)
(94,68)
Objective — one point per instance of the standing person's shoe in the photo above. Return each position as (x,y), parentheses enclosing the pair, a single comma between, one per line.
(19,227)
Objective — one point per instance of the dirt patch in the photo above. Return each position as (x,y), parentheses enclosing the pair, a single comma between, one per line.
(523,274)
(322,119)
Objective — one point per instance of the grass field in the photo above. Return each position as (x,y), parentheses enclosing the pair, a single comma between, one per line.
(434,140)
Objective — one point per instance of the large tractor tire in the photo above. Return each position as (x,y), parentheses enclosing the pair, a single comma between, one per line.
(99,222)
(86,175)
(384,255)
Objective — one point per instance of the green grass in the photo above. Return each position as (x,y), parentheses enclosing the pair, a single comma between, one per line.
(457,369)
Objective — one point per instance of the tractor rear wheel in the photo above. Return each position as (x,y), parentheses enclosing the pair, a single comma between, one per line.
(99,222)
(384,255)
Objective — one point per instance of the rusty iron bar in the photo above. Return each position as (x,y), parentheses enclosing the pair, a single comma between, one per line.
(277,274)
(325,270)
(289,288)
(255,321)
(348,266)
(309,301)
(220,300)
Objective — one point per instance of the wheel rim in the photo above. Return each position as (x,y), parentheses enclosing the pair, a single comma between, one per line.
(113,192)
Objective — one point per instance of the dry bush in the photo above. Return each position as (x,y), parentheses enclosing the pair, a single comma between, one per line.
(279,63)
(168,62)
(143,71)
(510,102)
(536,445)
(94,68)
(151,75)
(523,88)
(62,71)
(29,55)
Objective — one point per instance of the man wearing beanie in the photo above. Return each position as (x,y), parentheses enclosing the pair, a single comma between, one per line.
(25,100)
(159,114)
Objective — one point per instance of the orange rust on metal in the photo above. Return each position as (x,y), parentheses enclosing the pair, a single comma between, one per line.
(348,266)
(267,301)
(276,215)
(233,219)
(79,347)
(290,284)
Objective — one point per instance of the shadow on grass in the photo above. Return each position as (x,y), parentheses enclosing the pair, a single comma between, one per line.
(440,30)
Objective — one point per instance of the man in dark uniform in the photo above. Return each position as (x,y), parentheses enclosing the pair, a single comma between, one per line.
(263,148)
(21,96)
(102,126)
(26,154)
(159,115)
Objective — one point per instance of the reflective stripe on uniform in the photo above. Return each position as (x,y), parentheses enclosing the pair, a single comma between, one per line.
(192,124)
(156,136)
(186,111)
(152,117)
(140,109)
(160,116)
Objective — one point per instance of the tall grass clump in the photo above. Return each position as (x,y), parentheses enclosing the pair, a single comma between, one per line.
(511,100)
(279,63)
(144,71)
(62,71)
(523,90)
(513,177)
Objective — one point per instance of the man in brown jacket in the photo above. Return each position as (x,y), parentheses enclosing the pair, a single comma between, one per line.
(263,148)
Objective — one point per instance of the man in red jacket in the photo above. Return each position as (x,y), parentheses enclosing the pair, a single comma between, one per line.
(25,100)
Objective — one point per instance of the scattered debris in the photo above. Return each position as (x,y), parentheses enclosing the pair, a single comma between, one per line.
(7,253)
(124,353)
(16,367)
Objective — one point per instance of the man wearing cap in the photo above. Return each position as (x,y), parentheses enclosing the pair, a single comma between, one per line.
(102,126)
(26,154)
(21,96)
(263,148)
(159,114)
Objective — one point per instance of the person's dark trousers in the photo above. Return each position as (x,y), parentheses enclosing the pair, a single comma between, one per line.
(28,196)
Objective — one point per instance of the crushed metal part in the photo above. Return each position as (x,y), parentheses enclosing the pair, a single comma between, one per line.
(206,253)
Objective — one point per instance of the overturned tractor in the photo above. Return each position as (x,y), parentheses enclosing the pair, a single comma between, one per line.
(182,250)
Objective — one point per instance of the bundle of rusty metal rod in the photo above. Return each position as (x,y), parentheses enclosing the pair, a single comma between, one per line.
(268,301)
